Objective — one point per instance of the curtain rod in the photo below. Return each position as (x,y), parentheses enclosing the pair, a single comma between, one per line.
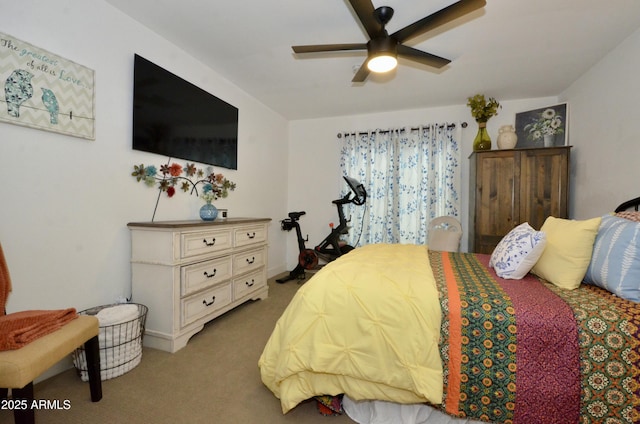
(463,125)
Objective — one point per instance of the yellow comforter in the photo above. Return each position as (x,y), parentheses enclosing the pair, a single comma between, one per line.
(366,325)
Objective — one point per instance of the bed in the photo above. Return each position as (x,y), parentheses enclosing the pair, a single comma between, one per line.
(554,338)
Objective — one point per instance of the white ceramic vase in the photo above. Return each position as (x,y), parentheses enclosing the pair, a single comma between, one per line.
(507,137)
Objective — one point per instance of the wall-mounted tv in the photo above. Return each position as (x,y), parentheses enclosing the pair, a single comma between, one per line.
(174,118)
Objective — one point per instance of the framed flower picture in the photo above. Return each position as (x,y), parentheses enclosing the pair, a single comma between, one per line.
(544,127)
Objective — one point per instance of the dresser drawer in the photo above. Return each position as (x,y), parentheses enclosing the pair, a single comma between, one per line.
(248,283)
(249,261)
(254,234)
(207,302)
(201,275)
(204,242)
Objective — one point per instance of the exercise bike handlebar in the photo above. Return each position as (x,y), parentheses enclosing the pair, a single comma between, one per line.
(358,200)
(347,199)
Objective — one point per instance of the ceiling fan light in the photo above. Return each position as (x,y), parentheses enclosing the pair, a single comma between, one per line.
(382,63)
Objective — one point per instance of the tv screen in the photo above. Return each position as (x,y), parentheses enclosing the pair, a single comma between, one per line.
(174,118)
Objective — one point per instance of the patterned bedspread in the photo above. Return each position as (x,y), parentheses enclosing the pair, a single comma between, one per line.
(524,351)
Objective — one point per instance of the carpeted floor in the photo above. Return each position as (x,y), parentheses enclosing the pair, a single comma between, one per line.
(214,379)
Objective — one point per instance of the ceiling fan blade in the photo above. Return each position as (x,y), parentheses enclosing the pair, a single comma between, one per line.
(422,57)
(328,48)
(362,73)
(365,11)
(437,19)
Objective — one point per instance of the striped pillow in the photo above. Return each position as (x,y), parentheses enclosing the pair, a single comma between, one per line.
(615,262)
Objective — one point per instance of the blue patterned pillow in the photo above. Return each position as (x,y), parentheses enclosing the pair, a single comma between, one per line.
(615,262)
(518,252)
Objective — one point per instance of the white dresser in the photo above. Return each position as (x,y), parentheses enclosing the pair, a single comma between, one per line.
(189,272)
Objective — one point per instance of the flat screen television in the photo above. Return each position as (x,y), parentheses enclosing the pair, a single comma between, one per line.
(175,118)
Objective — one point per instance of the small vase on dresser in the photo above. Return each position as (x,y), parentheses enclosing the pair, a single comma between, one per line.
(482,140)
(482,109)
(507,137)
(208,212)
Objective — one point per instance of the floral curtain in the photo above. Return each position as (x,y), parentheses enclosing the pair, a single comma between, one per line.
(411,176)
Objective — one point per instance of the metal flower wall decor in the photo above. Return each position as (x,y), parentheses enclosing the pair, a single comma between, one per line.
(185,178)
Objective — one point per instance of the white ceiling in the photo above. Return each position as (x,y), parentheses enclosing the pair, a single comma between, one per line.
(511,49)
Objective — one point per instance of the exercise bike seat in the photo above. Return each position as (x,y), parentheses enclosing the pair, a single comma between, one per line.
(296,215)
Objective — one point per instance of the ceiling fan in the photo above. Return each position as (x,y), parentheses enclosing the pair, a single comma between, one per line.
(382,48)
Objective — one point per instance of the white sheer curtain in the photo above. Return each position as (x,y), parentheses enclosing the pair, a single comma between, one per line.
(411,176)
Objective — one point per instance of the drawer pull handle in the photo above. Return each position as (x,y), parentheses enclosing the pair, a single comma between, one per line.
(250,284)
(205,303)
(213,241)
(252,260)
(206,274)
(251,235)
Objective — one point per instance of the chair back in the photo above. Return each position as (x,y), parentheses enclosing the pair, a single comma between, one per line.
(444,234)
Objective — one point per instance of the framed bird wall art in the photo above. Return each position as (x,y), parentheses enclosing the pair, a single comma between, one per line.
(39,89)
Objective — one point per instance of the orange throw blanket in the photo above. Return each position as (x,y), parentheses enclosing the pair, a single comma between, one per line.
(21,328)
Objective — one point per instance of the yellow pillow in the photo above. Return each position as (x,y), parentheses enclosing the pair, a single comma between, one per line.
(566,258)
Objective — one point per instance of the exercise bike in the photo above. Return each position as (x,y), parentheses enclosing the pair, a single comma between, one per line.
(332,246)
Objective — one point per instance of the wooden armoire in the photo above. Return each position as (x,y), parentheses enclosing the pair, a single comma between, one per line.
(509,187)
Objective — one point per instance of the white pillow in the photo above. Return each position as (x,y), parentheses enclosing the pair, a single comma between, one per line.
(518,252)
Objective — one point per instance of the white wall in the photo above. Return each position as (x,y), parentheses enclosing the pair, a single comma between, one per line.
(66,201)
(605,130)
(315,176)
